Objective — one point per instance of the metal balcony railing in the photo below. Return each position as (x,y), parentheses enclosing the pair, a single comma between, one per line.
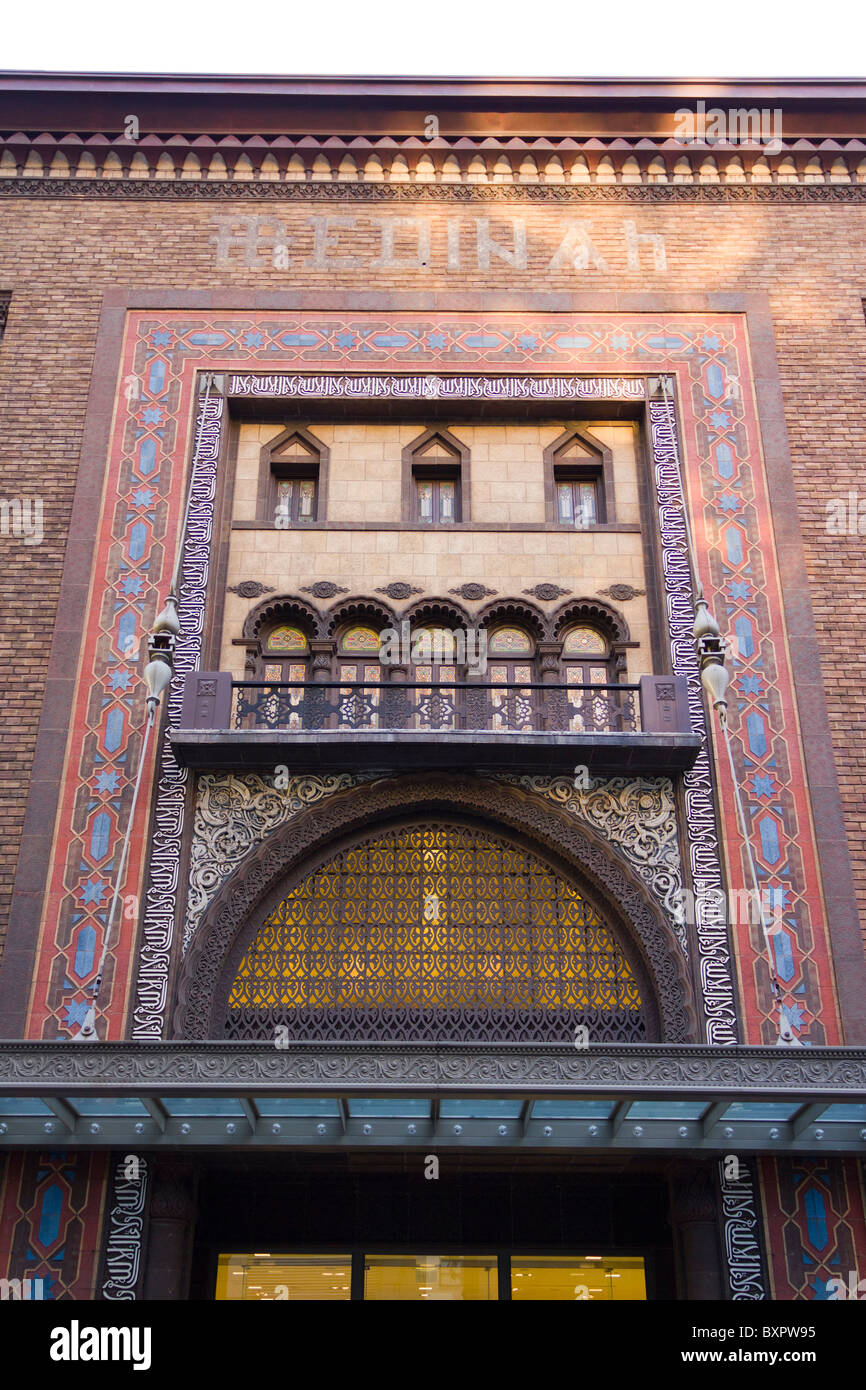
(440,707)
(640,728)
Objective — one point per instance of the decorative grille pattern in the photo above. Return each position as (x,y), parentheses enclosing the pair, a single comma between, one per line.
(509,702)
(435,933)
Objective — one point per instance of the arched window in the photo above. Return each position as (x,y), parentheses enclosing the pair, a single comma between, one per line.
(579,480)
(434,658)
(511,663)
(586,663)
(435,931)
(436,479)
(283,657)
(285,651)
(358,661)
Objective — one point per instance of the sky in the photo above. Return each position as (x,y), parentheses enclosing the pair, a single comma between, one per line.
(452,38)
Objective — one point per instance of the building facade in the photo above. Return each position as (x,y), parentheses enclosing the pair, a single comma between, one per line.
(443,930)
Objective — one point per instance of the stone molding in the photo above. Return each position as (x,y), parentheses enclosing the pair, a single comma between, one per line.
(828,1073)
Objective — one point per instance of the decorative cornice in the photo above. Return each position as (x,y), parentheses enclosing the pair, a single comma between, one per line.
(822,1073)
(447,386)
(447,168)
(216,191)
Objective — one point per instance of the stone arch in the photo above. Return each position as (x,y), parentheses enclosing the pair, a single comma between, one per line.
(514,611)
(359,610)
(285,607)
(594,611)
(437,612)
(301,844)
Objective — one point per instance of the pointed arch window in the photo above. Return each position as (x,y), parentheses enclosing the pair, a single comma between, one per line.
(436,480)
(294,469)
(579,481)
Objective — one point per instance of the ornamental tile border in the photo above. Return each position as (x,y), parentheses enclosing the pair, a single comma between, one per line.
(161,354)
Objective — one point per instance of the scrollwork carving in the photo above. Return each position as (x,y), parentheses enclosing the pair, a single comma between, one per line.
(233,814)
(639,816)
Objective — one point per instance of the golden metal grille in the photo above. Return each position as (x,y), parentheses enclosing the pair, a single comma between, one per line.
(435,932)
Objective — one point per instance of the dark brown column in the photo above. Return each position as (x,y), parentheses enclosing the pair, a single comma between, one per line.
(173,1209)
(695,1223)
(549,654)
(322,657)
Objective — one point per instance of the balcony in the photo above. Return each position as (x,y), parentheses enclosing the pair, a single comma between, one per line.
(638,729)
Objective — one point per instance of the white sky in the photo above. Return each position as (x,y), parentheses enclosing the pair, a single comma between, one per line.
(536,38)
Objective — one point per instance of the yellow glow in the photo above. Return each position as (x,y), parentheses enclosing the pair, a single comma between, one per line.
(431,918)
(578,1279)
(440,1278)
(416,1278)
(293,1278)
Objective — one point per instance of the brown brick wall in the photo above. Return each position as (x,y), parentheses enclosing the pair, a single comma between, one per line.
(59,256)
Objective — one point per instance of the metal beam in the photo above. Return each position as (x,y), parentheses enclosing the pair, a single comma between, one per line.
(618,1116)
(250,1112)
(712,1115)
(157,1112)
(64,1112)
(805,1116)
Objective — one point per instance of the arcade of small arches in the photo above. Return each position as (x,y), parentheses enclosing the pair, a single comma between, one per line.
(584,642)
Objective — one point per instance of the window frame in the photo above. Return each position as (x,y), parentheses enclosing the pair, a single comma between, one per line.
(436,475)
(595,465)
(416,468)
(273,471)
(569,476)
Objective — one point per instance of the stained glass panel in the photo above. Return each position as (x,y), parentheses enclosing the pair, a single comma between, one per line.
(286,639)
(584,641)
(506,641)
(361,639)
(306,500)
(435,932)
